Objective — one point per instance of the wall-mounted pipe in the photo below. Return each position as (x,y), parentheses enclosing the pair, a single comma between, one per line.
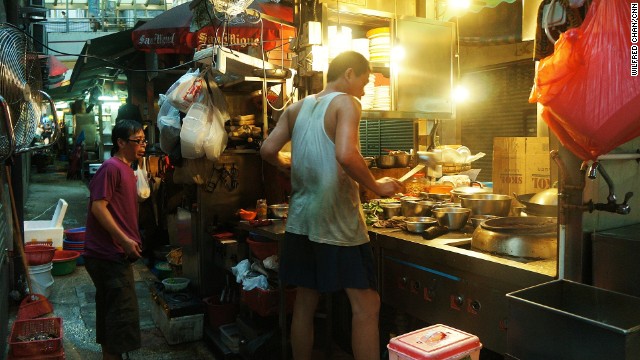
(631,156)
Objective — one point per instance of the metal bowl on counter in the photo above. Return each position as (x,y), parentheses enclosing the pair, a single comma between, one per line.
(419,224)
(529,237)
(487,204)
(468,190)
(413,206)
(390,210)
(279,210)
(454,218)
(436,196)
(476,220)
(370,161)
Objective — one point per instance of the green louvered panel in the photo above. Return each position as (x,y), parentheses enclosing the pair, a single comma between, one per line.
(499,109)
(376,135)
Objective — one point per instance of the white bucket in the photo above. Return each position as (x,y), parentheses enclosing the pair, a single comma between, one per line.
(41,279)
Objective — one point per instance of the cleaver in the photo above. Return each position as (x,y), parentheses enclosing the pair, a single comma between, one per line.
(411,172)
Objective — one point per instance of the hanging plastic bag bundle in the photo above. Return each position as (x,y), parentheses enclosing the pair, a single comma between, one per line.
(589,95)
(186,91)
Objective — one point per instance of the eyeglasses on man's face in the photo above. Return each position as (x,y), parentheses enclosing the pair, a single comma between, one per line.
(139,141)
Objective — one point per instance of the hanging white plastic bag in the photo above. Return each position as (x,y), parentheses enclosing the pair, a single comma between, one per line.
(187,92)
(169,125)
(194,131)
(216,140)
(142,182)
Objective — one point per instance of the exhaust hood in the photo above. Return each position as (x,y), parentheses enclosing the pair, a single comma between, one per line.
(233,68)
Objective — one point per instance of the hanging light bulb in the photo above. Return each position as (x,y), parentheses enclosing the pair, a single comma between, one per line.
(460,94)
(460,4)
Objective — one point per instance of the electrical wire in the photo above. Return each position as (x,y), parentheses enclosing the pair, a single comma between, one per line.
(115,64)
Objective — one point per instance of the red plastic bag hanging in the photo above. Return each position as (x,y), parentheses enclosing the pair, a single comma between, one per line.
(591,100)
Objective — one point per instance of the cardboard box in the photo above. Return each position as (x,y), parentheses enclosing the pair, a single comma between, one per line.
(520,165)
(47,230)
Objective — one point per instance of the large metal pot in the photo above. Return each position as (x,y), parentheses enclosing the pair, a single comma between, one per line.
(520,237)
(544,203)
(487,204)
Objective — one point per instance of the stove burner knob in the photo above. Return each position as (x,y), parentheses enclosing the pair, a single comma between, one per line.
(458,300)
(475,305)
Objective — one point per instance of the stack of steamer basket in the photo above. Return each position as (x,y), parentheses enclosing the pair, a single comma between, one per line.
(74,240)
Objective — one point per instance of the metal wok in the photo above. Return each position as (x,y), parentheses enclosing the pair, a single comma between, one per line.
(536,209)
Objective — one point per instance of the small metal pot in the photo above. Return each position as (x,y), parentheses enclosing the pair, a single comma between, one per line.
(390,210)
(402,160)
(419,224)
(385,161)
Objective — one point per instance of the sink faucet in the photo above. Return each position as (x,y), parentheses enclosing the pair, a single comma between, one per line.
(610,205)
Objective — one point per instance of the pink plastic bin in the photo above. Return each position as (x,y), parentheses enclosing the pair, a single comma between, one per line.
(437,342)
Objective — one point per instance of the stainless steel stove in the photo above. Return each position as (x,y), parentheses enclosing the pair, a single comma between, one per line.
(445,281)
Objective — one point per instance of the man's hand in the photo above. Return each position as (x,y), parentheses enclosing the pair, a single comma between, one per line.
(131,249)
(388,186)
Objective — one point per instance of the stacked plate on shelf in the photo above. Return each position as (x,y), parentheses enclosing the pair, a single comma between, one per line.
(379,44)
(362,46)
(369,96)
(381,98)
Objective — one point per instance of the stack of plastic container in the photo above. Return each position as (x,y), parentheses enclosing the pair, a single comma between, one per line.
(74,241)
(39,258)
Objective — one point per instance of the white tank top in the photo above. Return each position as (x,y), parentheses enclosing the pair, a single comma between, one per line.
(325,201)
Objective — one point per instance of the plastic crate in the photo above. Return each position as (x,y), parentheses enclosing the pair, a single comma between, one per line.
(58,355)
(262,249)
(437,342)
(230,335)
(26,328)
(265,302)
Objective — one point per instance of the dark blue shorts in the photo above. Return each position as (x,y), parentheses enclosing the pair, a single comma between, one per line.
(324,267)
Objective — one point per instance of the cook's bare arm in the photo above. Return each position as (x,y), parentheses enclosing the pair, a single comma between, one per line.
(348,154)
(131,248)
(279,136)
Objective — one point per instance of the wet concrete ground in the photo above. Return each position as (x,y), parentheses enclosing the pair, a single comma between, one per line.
(72,296)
